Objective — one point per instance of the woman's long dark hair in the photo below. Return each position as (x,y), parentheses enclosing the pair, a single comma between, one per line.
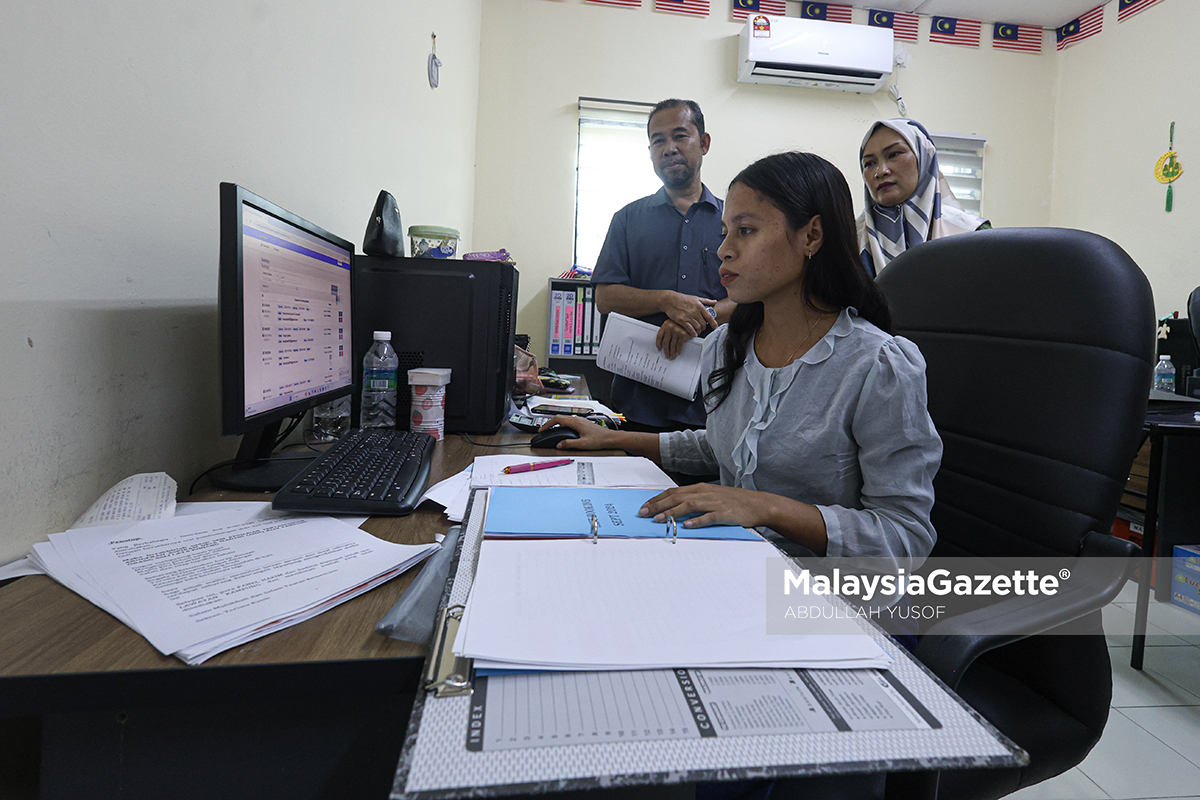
(802,186)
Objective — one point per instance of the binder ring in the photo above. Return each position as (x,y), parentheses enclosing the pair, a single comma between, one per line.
(595,528)
(673,527)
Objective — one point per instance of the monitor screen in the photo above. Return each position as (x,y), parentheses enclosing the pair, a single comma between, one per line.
(285,316)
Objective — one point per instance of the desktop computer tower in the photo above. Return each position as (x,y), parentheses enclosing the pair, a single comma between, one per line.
(442,313)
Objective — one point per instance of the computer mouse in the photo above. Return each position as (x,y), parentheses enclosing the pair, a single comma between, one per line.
(551,437)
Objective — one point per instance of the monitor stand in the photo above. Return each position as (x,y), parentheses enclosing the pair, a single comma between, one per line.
(256,469)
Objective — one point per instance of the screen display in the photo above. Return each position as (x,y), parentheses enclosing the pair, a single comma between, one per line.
(296,313)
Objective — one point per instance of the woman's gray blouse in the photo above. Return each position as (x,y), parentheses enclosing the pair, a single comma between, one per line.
(844,427)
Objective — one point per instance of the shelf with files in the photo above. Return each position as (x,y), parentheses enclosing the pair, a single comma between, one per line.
(573,324)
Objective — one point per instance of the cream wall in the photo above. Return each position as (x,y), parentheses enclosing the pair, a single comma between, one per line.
(538,57)
(117,122)
(1117,94)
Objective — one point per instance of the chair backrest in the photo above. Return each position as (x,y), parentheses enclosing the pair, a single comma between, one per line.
(1193,312)
(1040,348)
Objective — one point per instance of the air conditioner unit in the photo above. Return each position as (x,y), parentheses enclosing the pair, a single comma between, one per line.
(814,53)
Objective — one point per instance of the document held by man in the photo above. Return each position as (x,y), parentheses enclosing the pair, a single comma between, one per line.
(642,604)
(627,348)
(199,584)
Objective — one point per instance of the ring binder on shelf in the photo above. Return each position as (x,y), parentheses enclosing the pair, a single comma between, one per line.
(447,675)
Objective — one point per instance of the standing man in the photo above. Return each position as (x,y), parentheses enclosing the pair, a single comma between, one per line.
(659,263)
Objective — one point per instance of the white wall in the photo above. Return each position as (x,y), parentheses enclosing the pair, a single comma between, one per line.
(1117,94)
(117,122)
(538,57)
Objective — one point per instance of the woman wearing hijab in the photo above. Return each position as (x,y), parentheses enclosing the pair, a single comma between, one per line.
(908,199)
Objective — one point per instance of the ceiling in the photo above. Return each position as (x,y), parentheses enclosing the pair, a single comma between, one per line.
(1042,13)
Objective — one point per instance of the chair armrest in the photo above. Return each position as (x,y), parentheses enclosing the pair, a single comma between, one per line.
(951,645)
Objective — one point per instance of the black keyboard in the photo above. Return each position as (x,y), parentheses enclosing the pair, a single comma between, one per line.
(368,471)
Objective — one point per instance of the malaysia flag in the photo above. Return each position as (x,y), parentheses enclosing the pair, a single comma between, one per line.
(904,26)
(950,30)
(626,3)
(742,9)
(694,8)
(830,12)
(1077,30)
(1024,38)
(1127,8)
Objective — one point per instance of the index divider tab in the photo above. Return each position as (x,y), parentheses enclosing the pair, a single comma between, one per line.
(447,675)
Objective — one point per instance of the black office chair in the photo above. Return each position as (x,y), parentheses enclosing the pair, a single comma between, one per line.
(1040,348)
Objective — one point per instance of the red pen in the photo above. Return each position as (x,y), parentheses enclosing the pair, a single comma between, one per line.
(534,465)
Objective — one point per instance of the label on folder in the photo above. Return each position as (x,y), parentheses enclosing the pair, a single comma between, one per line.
(566,513)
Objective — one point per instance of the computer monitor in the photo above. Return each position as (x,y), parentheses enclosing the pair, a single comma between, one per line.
(285,330)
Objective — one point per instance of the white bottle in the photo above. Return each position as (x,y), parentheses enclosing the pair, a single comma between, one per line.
(331,420)
(379,384)
(1164,375)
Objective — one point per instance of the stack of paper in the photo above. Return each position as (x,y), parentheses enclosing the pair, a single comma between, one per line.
(198,584)
(560,513)
(573,604)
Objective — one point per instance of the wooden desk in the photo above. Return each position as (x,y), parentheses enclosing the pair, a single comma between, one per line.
(315,710)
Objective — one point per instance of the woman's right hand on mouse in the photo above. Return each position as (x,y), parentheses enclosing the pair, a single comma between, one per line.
(591,435)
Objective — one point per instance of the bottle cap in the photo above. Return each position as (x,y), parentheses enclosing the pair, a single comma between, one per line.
(385,336)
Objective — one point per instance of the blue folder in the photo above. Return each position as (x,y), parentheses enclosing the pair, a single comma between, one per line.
(565,513)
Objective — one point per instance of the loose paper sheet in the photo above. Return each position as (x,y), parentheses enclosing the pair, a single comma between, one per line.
(640,604)
(149,495)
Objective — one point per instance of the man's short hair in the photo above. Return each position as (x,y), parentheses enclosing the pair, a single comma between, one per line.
(674,102)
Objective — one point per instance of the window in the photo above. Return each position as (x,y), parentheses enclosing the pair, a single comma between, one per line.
(960,156)
(613,169)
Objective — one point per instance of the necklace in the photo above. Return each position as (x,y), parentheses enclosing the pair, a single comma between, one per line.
(803,341)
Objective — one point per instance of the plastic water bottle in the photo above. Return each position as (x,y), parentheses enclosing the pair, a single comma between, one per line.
(379,383)
(1164,375)
(331,420)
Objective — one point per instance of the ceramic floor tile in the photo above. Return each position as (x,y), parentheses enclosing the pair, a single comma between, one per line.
(1118,629)
(1177,727)
(1129,763)
(1071,785)
(1175,620)
(1180,665)
(1150,686)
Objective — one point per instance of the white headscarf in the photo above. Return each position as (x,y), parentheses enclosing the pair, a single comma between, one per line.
(930,213)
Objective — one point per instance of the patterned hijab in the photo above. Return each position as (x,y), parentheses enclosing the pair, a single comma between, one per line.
(930,213)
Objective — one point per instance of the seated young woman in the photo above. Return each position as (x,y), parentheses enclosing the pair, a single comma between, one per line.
(816,415)
(908,199)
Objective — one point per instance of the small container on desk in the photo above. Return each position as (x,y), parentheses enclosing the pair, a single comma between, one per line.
(428,412)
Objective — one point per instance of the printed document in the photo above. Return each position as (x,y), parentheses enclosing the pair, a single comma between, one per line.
(149,495)
(641,604)
(540,709)
(198,584)
(611,471)
(627,348)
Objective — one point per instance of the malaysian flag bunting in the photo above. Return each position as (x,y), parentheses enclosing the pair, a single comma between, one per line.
(1023,38)
(831,12)
(694,8)
(949,30)
(626,3)
(1077,30)
(744,8)
(1127,8)
(904,26)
